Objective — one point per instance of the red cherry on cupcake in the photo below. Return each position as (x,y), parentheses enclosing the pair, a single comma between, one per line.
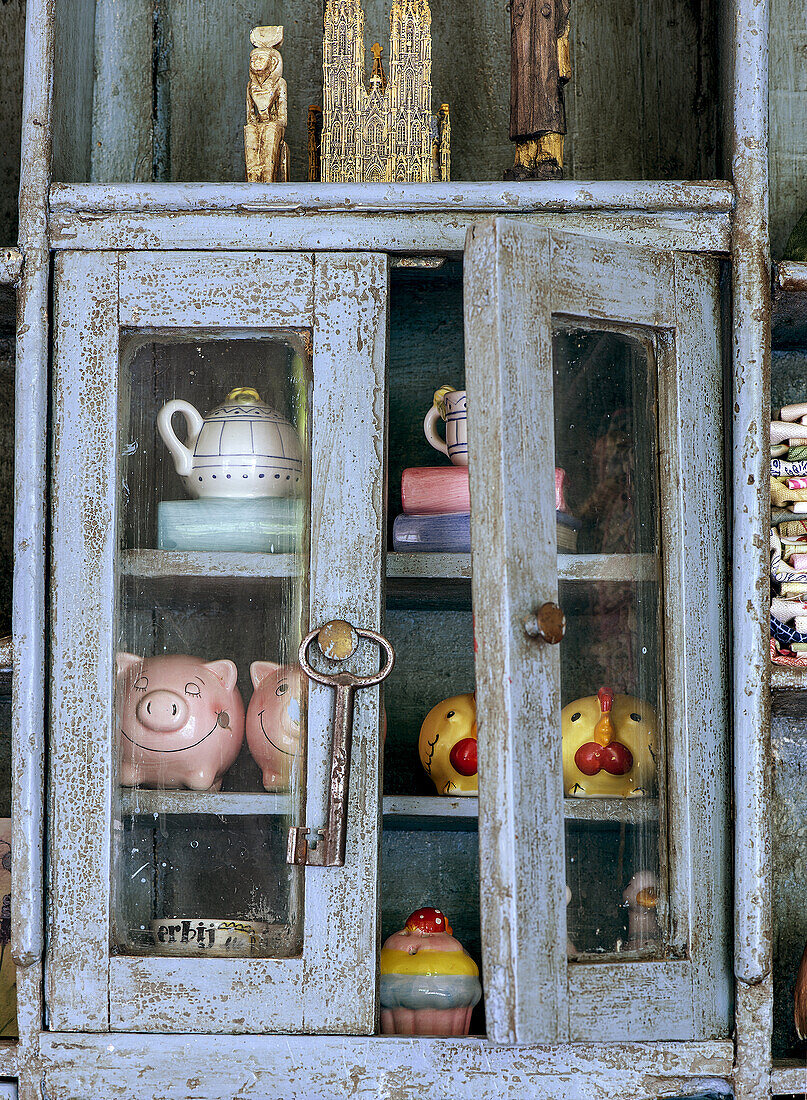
(592,758)
(463,756)
(428,921)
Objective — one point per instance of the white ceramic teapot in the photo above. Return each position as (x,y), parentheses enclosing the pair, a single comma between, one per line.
(243,449)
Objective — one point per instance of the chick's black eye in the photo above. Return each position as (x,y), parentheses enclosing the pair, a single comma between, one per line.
(281,689)
(636,718)
(451,714)
(576,716)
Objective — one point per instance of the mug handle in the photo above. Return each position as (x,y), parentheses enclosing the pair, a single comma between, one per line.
(182,456)
(429,425)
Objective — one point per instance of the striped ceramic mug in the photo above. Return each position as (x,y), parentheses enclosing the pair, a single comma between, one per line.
(451,406)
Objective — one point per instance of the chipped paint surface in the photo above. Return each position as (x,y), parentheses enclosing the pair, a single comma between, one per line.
(219,1068)
(696,218)
(750,571)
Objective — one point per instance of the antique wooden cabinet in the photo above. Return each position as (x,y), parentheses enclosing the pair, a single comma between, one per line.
(132,329)
(614,330)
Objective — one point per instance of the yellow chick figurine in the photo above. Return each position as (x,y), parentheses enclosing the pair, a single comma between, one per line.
(447,745)
(610,746)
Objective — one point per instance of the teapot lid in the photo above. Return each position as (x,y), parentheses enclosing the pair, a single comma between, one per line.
(243,395)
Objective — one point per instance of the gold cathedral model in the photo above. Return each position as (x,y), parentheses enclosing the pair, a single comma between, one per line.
(386,134)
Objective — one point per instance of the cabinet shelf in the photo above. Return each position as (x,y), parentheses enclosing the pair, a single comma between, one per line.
(170,564)
(431,812)
(413,812)
(401,812)
(625,811)
(233,803)
(402,566)
(784,677)
(477,198)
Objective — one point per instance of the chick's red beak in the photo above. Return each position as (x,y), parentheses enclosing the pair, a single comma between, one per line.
(463,756)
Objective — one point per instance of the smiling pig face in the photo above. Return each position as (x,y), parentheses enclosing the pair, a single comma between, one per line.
(180,721)
(274,721)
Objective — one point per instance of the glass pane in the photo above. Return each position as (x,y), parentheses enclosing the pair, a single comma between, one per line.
(612,658)
(430,846)
(210,703)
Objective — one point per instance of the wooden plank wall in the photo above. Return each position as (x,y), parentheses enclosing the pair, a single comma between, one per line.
(12,30)
(634,112)
(642,100)
(788,89)
(73,90)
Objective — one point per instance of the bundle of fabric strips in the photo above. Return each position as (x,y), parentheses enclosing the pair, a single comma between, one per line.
(789,537)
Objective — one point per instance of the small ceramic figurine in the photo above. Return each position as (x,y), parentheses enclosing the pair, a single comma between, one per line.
(429,982)
(447,745)
(641,898)
(274,721)
(435,534)
(435,490)
(243,449)
(610,745)
(539,51)
(451,406)
(180,721)
(267,154)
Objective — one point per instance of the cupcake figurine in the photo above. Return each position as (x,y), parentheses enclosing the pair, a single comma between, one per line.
(429,982)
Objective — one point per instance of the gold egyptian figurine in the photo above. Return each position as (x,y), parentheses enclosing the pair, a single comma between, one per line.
(267,154)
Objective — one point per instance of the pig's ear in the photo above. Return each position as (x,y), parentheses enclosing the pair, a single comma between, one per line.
(125,661)
(259,670)
(226,672)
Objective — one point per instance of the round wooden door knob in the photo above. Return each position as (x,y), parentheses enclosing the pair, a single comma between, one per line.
(549,624)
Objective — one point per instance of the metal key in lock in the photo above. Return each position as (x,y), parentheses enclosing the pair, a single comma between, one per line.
(338,641)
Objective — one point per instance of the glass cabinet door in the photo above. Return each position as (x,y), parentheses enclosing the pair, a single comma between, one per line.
(594,387)
(218,497)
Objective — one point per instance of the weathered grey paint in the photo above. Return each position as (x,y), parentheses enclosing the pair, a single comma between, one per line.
(750,555)
(82,1067)
(117,1067)
(342,299)
(517,277)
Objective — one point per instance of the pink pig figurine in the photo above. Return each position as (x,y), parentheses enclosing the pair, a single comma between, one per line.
(274,719)
(180,721)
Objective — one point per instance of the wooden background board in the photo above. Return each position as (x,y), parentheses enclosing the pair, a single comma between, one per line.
(788,96)
(180,67)
(12,27)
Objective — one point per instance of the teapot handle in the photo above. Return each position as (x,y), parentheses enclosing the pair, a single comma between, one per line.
(429,425)
(181,454)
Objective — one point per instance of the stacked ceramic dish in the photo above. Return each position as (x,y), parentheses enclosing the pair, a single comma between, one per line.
(437,512)
(789,537)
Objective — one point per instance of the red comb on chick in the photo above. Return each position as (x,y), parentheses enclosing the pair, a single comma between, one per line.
(606,698)
(428,921)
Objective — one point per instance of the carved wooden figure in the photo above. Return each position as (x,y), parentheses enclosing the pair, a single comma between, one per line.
(267,154)
(539,52)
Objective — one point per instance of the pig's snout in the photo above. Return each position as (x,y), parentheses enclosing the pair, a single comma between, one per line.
(162,711)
